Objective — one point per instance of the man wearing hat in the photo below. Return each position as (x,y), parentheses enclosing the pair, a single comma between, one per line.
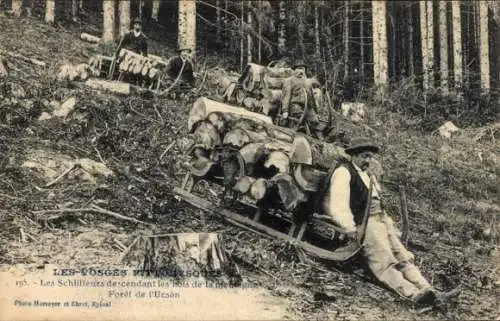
(345,201)
(182,65)
(297,98)
(135,40)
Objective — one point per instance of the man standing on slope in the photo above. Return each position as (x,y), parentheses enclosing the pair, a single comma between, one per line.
(135,40)
(345,201)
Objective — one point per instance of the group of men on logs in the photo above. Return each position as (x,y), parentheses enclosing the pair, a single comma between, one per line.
(350,182)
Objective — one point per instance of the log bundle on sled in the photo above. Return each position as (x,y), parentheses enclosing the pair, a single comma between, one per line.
(260,89)
(273,179)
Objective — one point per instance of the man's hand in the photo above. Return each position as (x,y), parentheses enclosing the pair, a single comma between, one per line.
(284,115)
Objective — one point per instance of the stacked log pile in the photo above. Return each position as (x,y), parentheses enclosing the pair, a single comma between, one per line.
(133,63)
(270,159)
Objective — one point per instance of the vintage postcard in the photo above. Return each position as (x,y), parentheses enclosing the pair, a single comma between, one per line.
(249,160)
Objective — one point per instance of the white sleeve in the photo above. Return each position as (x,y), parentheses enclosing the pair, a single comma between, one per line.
(338,199)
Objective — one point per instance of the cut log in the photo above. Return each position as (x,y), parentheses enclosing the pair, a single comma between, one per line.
(272,82)
(268,108)
(279,160)
(258,189)
(19,56)
(113,86)
(236,137)
(289,192)
(308,178)
(243,184)
(178,255)
(89,38)
(252,152)
(206,136)
(279,72)
(251,103)
(252,76)
(313,152)
(272,95)
(202,107)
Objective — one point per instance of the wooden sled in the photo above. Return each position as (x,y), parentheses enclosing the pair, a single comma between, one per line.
(335,248)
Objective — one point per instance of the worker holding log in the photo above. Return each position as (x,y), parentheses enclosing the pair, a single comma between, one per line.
(135,40)
(182,67)
(346,200)
(298,101)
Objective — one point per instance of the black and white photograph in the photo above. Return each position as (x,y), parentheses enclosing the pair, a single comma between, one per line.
(249,160)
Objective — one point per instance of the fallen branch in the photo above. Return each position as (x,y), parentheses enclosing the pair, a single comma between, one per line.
(19,56)
(60,177)
(127,250)
(120,244)
(167,149)
(404,215)
(94,208)
(119,216)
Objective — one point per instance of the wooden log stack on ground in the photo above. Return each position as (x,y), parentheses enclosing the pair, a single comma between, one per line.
(268,155)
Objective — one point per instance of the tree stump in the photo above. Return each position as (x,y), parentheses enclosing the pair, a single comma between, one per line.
(181,256)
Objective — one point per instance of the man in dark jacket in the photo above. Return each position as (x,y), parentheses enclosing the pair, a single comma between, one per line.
(182,66)
(135,40)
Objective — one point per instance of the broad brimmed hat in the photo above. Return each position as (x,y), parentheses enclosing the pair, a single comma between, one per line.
(361,144)
(137,20)
(299,63)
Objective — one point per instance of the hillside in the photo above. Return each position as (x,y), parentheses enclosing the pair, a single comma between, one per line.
(451,185)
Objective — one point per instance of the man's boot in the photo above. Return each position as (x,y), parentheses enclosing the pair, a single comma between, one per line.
(425,296)
(442,297)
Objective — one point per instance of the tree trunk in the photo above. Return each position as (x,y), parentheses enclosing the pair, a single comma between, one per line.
(379,12)
(249,35)
(484,48)
(282,28)
(495,7)
(50,11)
(411,53)
(124,17)
(187,25)
(457,44)
(242,39)
(317,43)
(430,42)
(424,34)
(362,43)
(345,39)
(108,34)
(443,42)
(74,9)
(17,8)
(301,27)
(217,22)
(260,22)
(155,9)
